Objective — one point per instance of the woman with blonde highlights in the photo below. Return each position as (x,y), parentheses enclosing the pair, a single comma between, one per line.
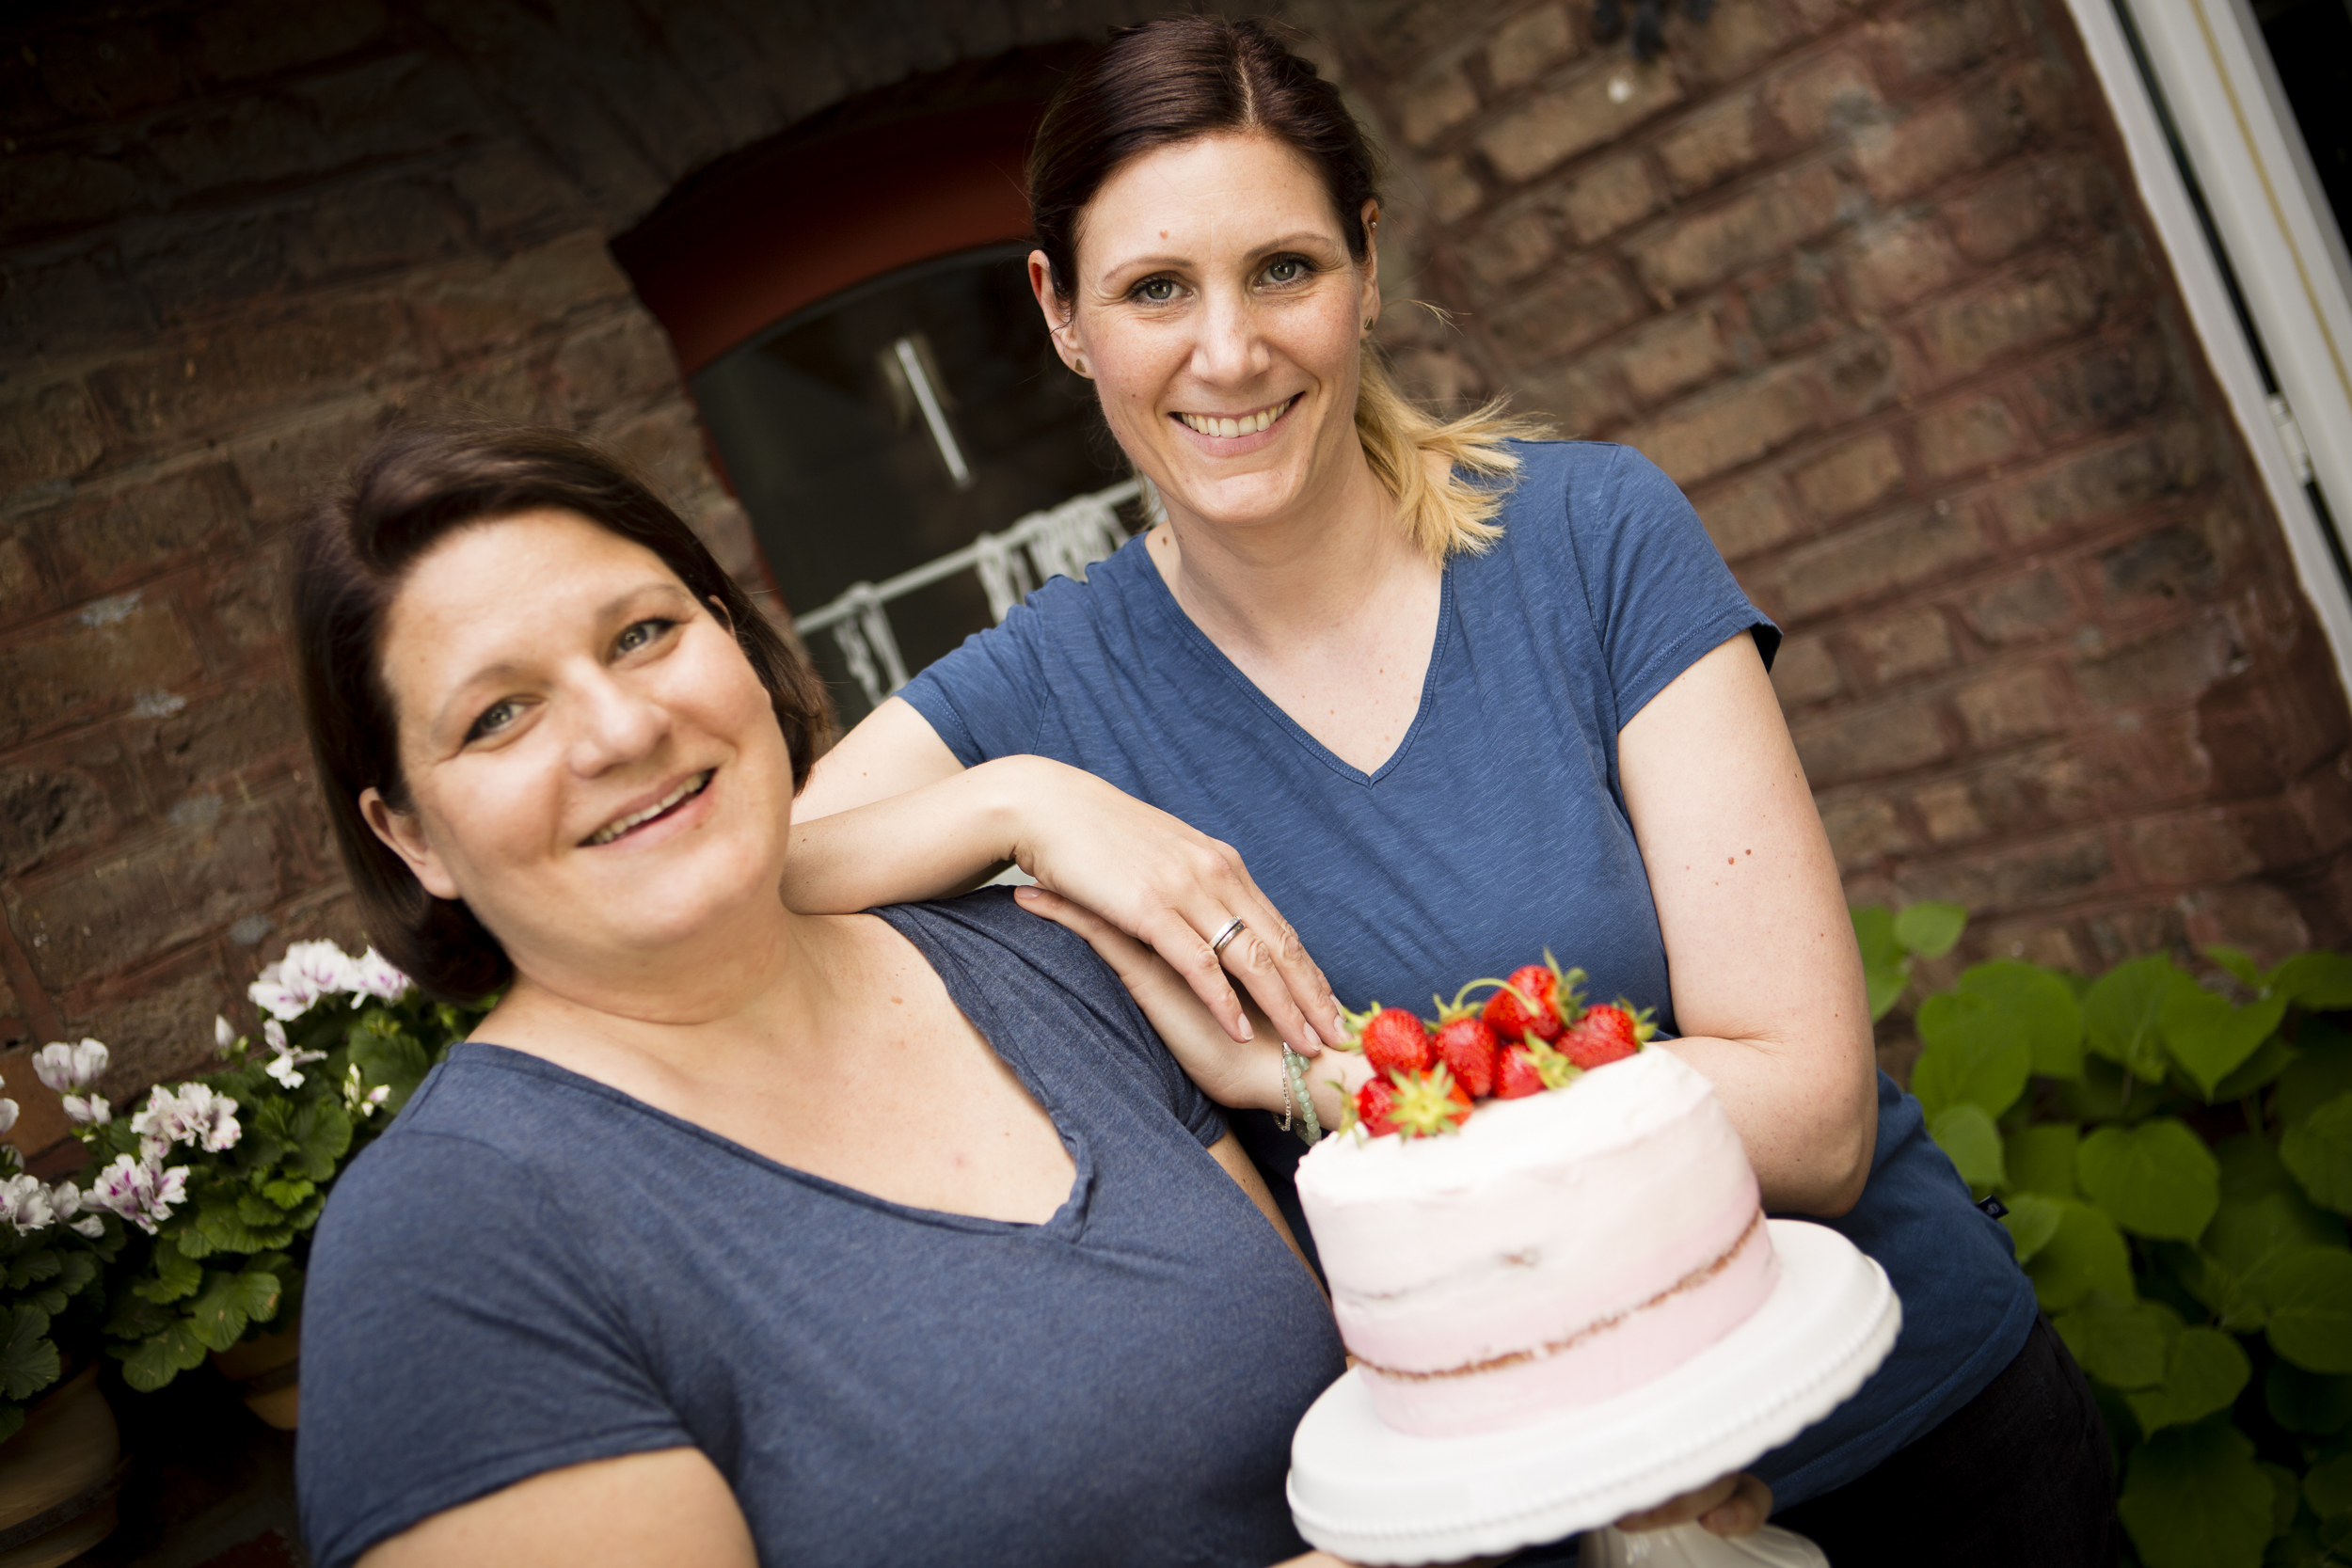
(1412,702)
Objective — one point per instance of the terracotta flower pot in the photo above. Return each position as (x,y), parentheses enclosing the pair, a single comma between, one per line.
(264,1371)
(59,1476)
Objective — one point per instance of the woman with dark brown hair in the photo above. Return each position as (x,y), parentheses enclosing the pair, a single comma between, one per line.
(736,1235)
(1446,698)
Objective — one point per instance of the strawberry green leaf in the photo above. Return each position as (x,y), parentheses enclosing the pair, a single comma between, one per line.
(2194,1497)
(2084,1253)
(1973,1054)
(2311,1307)
(2204,1373)
(2031,1222)
(1930,929)
(2041,1159)
(2307,1401)
(2327,1486)
(2318,1150)
(1885,970)
(28,1361)
(2240,964)
(2040,1004)
(2122,1009)
(2321,1070)
(2124,1344)
(2210,1037)
(2156,1180)
(2316,982)
(1969,1139)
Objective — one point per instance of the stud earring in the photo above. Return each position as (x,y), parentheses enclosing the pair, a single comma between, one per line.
(1079,364)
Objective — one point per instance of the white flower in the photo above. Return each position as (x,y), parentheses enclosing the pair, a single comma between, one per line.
(24,1203)
(70,1068)
(373,976)
(140,1191)
(87,1110)
(223,1036)
(362,1100)
(66,1199)
(90,1225)
(193,1115)
(284,1066)
(309,971)
(285,1069)
(7,1115)
(274,1033)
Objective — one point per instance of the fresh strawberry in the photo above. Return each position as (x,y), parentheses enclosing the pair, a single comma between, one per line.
(1516,1077)
(1374,1102)
(1537,999)
(1391,1039)
(1427,1103)
(1609,1033)
(1465,1045)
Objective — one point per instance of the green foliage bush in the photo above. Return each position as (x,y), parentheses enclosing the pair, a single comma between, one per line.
(2175,1153)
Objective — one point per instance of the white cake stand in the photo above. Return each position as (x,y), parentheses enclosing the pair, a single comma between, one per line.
(1367,1492)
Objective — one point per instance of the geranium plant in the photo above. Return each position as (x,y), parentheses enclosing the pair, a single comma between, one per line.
(53,1248)
(222,1179)
(2174,1148)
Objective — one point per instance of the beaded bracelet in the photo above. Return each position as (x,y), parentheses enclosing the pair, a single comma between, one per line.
(1294,1084)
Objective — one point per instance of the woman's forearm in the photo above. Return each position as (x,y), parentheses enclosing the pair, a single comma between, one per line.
(931,842)
(1809,1127)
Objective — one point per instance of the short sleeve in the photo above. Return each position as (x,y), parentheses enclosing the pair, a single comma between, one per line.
(453,1342)
(1658,592)
(988,697)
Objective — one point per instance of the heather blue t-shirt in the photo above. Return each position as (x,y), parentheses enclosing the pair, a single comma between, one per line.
(1497,830)
(530,1270)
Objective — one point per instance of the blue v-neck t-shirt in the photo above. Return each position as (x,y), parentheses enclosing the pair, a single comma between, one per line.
(531,1269)
(1495,831)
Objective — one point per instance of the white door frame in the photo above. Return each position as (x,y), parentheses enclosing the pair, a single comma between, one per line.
(2215,78)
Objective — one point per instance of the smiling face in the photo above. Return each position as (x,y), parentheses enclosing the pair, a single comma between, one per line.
(1219,313)
(592,764)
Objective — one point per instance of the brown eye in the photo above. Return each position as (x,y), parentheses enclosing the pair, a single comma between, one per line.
(641,633)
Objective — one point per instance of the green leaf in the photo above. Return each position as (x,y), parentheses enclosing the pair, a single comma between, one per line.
(2273,1057)
(389,1056)
(1973,1053)
(2124,1344)
(1884,969)
(2040,1004)
(218,1318)
(320,1134)
(2210,1037)
(2250,1167)
(2311,1307)
(2286,1496)
(175,1275)
(156,1360)
(1969,1139)
(2238,962)
(28,1361)
(2246,1235)
(2031,1222)
(289,1192)
(2316,982)
(2085,1253)
(2322,1071)
(2319,1151)
(2194,1497)
(2327,1486)
(2155,1179)
(2107,1093)
(2041,1159)
(2204,1373)
(1930,929)
(2307,1401)
(2121,1013)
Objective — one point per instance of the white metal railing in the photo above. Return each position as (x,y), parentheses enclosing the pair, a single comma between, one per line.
(1062,540)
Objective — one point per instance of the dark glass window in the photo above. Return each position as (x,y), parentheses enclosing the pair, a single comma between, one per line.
(2311,47)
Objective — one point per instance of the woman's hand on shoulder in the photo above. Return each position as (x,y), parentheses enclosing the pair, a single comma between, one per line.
(639,1511)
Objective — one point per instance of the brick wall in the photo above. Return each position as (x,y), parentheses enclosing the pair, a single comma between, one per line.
(1870,282)
(233,237)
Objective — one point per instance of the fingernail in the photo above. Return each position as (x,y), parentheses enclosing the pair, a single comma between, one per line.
(1026,894)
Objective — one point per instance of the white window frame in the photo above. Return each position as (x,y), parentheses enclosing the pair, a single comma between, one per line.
(2216,77)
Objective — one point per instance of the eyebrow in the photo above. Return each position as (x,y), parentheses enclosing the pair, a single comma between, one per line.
(501,669)
(1293,241)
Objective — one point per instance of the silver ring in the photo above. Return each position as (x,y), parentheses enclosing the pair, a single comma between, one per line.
(1233,929)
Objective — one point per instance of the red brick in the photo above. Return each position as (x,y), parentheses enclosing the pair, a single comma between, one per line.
(2175,666)
(216,380)
(1455,191)
(2008,706)
(1974,130)
(202,272)
(1712,144)
(1596,106)
(1859,375)
(1749,516)
(2009,211)
(2102,388)
(2020,878)
(1965,436)
(1824,94)
(1949,811)
(1732,425)
(1867,743)
(281,466)
(63,802)
(108,74)
(1581,398)
(1861,473)
(244,608)
(1753,229)
(2016,313)
(109,540)
(220,743)
(1929,42)
(1805,673)
(376,228)
(157,1023)
(1897,260)
(2036,941)
(1733,40)
(1578,304)
(1792,312)
(74,303)
(129,911)
(486,304)
(47,192)
(1509,247)
(40,1121)
(90,664)
(2191,848)
(509,188)
(2022,610)
(1431,108)
(1864,831)
(2260,918)
(2173,563)
(52,434)
(1897,647)
(25,590)
(258,38)
(1611,194)
(1875,559)
(1674,354)
(1442,377)
(1530,44)
(2105,480)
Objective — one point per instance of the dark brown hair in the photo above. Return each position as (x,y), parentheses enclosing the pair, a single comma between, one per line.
(416,486)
